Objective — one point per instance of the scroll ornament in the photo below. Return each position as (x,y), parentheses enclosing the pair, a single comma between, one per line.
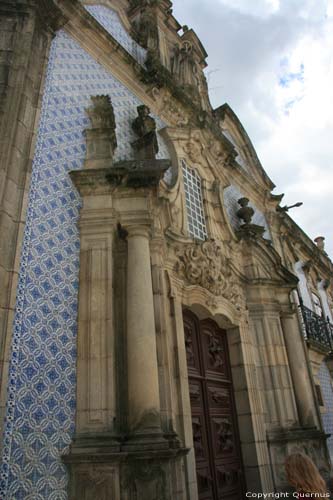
(205,265)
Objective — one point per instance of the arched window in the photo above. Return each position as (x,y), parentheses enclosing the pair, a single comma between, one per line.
(194,203)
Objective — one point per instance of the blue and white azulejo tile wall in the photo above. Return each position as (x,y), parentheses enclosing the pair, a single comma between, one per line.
(109,19)
(42,380)
(327,392)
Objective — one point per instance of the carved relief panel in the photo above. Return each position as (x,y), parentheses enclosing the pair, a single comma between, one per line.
(214,423)
(206,265)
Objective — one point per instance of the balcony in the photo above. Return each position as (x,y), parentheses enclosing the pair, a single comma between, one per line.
(318,330)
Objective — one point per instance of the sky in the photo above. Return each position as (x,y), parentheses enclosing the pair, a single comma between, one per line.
(272,62)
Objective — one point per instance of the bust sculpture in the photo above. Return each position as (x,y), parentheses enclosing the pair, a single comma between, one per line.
(145,128)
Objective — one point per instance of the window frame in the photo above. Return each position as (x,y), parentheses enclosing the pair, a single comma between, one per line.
(196,217)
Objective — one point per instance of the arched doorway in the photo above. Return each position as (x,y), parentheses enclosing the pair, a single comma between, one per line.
(214,420)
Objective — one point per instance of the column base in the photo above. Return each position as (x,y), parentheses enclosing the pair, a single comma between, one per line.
(141,467)
(283,442)
(99,441)
(145,440)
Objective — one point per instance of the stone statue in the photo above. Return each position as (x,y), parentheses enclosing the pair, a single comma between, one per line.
(145,127)
(147,30)
(245,213)
(183,66)
(187,65)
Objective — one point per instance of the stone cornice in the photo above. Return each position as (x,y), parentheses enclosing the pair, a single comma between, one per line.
(272,271)
(220,113)
(310,249)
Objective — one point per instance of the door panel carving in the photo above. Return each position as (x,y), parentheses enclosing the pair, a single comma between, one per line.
(214,423)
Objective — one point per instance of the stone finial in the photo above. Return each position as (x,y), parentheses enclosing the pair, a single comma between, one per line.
(101,137)
(101,113)
(144,126)
(320,241)
(248,230)
(245,213)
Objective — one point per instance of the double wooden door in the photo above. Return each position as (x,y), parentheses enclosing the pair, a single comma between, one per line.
(214,422)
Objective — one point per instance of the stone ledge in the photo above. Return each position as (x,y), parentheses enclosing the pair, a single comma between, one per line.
(138,173)
(297,434)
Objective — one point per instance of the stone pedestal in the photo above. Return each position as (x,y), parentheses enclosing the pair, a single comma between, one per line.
(284,442)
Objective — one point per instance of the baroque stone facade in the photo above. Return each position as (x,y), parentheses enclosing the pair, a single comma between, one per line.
(165,327)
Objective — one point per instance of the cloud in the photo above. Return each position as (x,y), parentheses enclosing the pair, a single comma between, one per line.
(273,63)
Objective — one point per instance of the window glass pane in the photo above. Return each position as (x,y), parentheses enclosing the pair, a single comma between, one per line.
(194,203)
(317,304)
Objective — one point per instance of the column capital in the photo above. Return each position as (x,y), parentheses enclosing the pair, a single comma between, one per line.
(136,230)
(289,312)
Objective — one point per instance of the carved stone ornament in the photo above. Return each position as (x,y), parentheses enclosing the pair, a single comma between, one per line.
(245,213)
(248,230)
(194,149)
(101,113)
(165,105)
(92,481)
(204,264)
(183,63)
(145,479)
(222,157)
(137,173)
(101,136)
(145,127)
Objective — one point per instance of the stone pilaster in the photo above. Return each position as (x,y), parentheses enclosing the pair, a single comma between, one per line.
(299,371)
(96,391)
(273,372)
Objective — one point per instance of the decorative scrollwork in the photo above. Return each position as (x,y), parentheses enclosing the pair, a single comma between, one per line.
(197,438)
(204,264)
(224,435)
(189,347)
(215,350)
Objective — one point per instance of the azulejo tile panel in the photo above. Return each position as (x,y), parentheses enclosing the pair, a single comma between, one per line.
(326,384)
(109,19)
(231,196)
(41,399)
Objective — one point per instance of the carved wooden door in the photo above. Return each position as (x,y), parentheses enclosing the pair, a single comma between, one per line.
(214,422)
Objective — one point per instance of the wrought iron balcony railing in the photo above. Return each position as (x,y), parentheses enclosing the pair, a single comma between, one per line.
(318,329)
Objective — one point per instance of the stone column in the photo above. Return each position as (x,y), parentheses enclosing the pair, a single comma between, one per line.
(143,387)
(299,370)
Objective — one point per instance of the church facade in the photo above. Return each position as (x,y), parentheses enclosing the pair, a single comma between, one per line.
(166,328)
